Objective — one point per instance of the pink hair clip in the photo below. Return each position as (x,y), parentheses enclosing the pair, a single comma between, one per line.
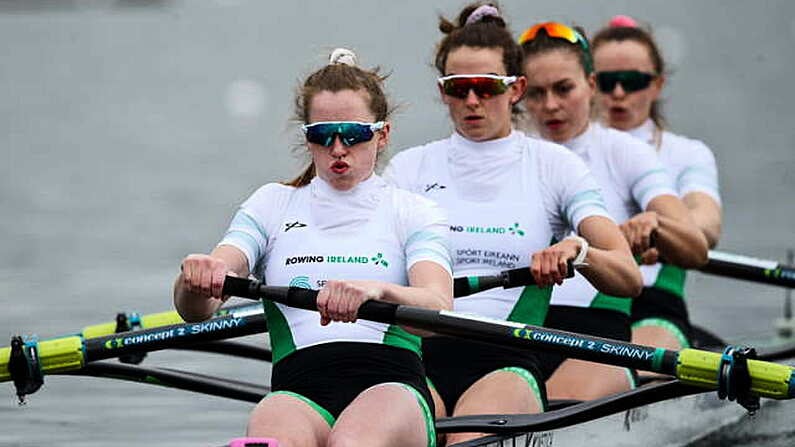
(622,21)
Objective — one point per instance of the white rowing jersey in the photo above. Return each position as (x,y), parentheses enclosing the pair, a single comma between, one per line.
(692,166)
(631,176)
(506,199)
(303,237)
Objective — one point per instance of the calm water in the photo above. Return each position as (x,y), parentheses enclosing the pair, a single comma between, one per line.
(131,130)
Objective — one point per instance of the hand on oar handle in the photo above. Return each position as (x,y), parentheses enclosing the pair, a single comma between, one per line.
(507,279)
(553,264)
(638,231)
(203,276)
(341,300)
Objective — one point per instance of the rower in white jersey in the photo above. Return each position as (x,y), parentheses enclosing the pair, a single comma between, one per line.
(630,76)
(341,229)
(509,199)
(638,192)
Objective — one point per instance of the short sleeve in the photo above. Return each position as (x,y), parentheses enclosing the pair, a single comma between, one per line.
(646,176)
(700,174)
(426,231)
(571,188)
(255,220)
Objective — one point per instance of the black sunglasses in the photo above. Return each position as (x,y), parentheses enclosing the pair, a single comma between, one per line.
(630,80)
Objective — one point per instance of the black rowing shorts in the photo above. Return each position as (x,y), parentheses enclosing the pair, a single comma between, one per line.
(454,364)
(333,374)
(658,307)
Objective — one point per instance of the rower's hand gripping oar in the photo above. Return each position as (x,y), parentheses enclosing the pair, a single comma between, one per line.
(734,373)
(507,279)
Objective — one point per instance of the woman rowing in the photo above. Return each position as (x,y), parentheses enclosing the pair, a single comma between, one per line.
(339,228)
(630,76)
(637,190)
(507,196)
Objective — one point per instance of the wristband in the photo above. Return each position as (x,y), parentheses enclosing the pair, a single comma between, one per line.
(579,260)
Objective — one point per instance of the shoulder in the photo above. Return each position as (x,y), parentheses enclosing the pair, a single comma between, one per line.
(552,157)
(416,154)
(623,144)
(269,194)
(684,148)
(405,166)
(267,198)
(412,211)
(406,202)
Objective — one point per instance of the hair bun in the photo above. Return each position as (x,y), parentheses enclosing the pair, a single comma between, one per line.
(481,12)
(342,56)
(622,21)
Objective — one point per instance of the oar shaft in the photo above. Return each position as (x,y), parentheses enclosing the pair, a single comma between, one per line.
(691,366)
(160,319)
(174,336)
(502,332)
(750,269)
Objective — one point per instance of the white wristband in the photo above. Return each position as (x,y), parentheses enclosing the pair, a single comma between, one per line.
(579,260)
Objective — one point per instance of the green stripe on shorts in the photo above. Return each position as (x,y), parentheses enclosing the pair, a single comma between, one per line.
(430,422)
(630,378)
(664,324)
(330,420)
(531,381)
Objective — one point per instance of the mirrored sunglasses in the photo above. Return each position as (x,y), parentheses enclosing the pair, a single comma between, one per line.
(350,132)
(484,85)
(560,31)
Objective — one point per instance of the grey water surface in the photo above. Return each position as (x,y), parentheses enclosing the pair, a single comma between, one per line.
(131,130)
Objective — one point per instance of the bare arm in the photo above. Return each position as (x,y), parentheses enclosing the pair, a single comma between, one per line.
(611,268)
(706,214)
(678,239)
(198,288)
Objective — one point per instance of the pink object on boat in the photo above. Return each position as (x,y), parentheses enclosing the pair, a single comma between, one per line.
(253,442)
(622,21)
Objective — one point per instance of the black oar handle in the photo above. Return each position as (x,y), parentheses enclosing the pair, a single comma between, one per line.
(302,298)
(750,269)
(468,285)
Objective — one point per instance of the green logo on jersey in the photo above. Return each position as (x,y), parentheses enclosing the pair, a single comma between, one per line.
(514,229)
(379,260)
(301,282)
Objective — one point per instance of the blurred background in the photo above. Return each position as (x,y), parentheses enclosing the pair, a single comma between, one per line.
(131,130)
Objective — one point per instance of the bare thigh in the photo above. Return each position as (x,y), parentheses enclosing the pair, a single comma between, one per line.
(385,415)
(290,420)
(581,380)
(500,392)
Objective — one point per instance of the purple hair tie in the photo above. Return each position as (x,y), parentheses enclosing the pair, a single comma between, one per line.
(481,12)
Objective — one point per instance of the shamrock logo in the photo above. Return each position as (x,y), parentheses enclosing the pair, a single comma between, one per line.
(514,229)
(378,259)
